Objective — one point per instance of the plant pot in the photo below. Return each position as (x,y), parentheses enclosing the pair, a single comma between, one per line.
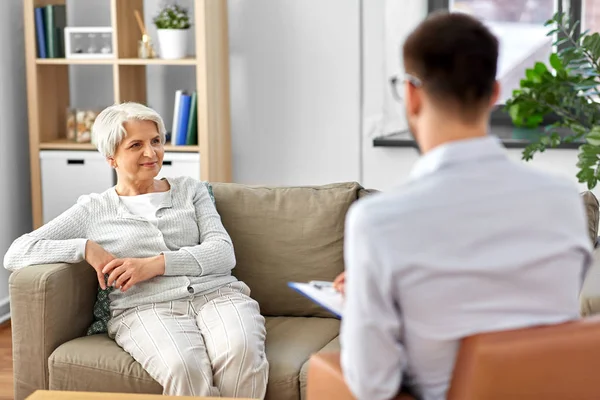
(173,43)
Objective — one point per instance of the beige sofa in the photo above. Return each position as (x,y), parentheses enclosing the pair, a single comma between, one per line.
(279,235)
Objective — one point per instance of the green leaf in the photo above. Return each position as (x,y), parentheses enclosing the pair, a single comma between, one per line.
(534,121)
(589,149)
(540,68)
(593,137)
(574,28)
(555,62)
(513,111)
(587,158)
(578,129)
(555,139)
(532,75)
(585,163)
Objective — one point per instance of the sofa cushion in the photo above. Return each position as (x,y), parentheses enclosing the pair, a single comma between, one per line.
(95,363)
(290,343)
(285,234)
(591,209)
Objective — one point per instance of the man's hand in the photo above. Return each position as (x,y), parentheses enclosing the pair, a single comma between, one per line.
(339,282)
(97,257)
(126,272)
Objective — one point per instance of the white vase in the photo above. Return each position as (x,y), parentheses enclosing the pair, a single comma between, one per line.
(173,43)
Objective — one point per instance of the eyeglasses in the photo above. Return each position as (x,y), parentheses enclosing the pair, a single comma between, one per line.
(395,81)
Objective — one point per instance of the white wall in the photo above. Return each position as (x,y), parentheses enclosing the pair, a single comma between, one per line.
(15,206)
(384,167)
(295,90)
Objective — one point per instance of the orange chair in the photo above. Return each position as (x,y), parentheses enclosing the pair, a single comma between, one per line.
(326,382)
(555,362)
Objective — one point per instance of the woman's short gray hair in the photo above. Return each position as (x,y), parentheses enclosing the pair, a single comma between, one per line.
(108,130)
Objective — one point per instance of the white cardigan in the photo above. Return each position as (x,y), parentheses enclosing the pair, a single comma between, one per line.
(198,251)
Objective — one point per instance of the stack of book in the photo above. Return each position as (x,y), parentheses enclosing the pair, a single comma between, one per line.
(50,23)
(185,119)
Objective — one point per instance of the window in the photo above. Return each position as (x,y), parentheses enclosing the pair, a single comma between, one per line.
(590,11)
(519,26)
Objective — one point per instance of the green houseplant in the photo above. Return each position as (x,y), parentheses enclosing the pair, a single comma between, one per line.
(172,24)
(567,88)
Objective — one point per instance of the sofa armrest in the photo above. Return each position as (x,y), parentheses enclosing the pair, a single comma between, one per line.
(50,305)
(590,291)
(326,380)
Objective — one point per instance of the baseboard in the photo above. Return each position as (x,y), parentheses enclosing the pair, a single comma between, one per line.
(4,310)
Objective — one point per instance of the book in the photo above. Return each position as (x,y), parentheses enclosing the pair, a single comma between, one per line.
(60,23)
(54,24)
(40,32)
(184,116)
(192,132)
(49,26)
(324,295)
(174,128)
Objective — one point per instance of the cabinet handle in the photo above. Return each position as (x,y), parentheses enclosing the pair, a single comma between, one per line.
(167,162)
(81,162)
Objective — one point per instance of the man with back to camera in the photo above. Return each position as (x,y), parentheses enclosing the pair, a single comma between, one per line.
(472,243)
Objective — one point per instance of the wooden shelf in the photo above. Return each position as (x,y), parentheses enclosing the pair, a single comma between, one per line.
(111,61)
(64,144)
(74,61)
(155,61)
(48,90)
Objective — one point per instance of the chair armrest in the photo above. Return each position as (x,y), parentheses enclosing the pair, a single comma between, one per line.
(50,305)
(590,291)
(326,380)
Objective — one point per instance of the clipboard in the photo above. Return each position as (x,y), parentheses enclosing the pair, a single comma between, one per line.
(324,295)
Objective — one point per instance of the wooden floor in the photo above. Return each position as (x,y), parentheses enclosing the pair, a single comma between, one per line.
(6,367)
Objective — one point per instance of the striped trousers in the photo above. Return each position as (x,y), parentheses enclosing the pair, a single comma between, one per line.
(208,345)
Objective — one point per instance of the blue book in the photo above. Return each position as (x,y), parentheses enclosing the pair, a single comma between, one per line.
(184,116)
(40,30)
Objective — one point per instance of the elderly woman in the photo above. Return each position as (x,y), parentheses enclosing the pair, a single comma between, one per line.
(161,245)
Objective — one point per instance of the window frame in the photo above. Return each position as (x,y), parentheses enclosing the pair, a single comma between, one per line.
(499,116)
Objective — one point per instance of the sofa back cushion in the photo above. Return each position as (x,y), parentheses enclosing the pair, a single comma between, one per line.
(283,234)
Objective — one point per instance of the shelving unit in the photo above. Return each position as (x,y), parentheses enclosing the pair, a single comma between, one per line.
(48,87)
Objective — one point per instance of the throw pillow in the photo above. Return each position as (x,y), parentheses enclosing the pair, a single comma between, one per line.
(591,209)
(102,305)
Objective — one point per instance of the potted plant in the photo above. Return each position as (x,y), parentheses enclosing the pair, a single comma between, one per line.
(566,88)
(172,23)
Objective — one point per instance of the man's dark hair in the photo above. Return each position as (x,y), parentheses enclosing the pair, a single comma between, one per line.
(455,56)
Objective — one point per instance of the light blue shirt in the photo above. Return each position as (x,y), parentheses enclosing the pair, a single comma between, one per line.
(473,243)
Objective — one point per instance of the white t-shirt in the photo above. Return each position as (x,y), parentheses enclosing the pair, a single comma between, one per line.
(145,205)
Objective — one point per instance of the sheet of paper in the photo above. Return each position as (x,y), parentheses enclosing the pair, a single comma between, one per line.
(326,297)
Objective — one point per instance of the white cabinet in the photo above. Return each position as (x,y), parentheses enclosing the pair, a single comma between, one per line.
(180,164)
(66,175)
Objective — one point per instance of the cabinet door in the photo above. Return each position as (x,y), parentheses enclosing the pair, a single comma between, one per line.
(180,164)
(66,175)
